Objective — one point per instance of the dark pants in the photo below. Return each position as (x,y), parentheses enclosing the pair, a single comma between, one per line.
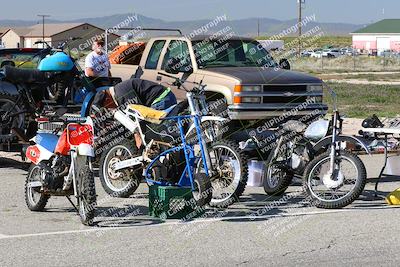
(168,101)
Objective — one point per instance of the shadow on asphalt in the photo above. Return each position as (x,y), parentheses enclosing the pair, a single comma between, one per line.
(127,216)
(12,163)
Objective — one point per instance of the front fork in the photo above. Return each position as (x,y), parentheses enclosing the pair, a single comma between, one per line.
(203,148)
(77,162)
(333,146)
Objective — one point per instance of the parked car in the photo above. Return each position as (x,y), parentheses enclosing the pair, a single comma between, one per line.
(343,50)
(307,53)
(316,54)
(331,53)
(352,52)
(237,71)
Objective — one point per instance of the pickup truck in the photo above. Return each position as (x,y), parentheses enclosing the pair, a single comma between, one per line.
(238,72)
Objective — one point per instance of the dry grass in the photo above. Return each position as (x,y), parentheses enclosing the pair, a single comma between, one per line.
(345,64)
(361,101)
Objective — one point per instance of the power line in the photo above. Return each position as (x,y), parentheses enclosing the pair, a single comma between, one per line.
(300,5)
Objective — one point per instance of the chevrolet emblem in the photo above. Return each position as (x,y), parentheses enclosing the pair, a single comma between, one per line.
(288,94)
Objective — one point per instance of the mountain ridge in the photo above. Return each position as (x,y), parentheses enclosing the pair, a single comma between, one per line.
(245,27)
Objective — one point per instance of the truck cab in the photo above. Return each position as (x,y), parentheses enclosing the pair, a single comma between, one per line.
(239,72)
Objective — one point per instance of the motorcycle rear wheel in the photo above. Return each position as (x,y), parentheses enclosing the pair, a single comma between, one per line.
(34,199)
(9,103)
(128,180)
(202,193)
(276,180)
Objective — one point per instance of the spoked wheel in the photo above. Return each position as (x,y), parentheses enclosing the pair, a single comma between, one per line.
(202,192)
(210,131)
(337,189)
(8,106)
(87,196)
(277,176)
(34,198)
(230,179)
(119,183)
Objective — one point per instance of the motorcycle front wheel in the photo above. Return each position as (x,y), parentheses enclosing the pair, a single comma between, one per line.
(87,195)
(231,172)
(338,189)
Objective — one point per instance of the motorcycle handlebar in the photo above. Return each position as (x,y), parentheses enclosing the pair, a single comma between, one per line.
(179,82)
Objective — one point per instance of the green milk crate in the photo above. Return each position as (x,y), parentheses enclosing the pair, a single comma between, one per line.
(170,202)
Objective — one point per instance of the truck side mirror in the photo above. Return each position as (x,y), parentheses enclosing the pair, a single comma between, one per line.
(175,66)
(284,64)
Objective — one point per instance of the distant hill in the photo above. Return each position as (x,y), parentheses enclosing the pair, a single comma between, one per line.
(245,27)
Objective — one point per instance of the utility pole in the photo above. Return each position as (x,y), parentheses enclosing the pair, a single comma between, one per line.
(43,16)
(300,3)
(258,28)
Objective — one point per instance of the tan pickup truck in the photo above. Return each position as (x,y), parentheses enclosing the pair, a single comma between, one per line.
(235,69)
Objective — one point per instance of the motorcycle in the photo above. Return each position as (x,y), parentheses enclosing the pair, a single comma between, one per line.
(61,166)
(221,161)
(25,94)
(332,176)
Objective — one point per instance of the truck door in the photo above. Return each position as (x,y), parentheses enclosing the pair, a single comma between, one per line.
(153,61)
(177,49)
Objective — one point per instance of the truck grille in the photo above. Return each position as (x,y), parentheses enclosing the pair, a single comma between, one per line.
(285,93)
(285,88)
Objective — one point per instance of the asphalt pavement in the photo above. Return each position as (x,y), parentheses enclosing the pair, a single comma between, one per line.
(258,231)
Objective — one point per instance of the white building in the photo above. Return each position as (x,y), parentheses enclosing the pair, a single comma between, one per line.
(25,37)
(380,36)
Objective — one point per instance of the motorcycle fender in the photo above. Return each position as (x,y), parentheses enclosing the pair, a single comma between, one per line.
(86,150)
(208,118)
(37,154)
(345,138)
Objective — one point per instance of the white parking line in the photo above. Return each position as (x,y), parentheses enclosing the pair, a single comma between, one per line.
(209,220)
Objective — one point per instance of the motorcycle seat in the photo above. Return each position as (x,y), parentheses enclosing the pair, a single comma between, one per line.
(28,76)
(149,114)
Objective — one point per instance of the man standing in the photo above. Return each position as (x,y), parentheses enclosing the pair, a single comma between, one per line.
(97,63)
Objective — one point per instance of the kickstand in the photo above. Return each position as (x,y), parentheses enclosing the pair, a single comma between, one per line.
(72,203)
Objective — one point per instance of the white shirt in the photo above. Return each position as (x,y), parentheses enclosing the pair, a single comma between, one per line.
(98,63)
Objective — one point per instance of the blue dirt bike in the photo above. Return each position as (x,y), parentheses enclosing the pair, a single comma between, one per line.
(176,150)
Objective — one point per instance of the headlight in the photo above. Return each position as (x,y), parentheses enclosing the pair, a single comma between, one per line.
(314,88)
(251,88)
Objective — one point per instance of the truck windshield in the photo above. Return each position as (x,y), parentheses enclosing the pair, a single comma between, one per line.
(231,53)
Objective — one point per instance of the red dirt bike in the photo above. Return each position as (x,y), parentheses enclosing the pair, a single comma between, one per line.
(62,165)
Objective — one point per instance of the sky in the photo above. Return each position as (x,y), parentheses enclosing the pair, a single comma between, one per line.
(346,11)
